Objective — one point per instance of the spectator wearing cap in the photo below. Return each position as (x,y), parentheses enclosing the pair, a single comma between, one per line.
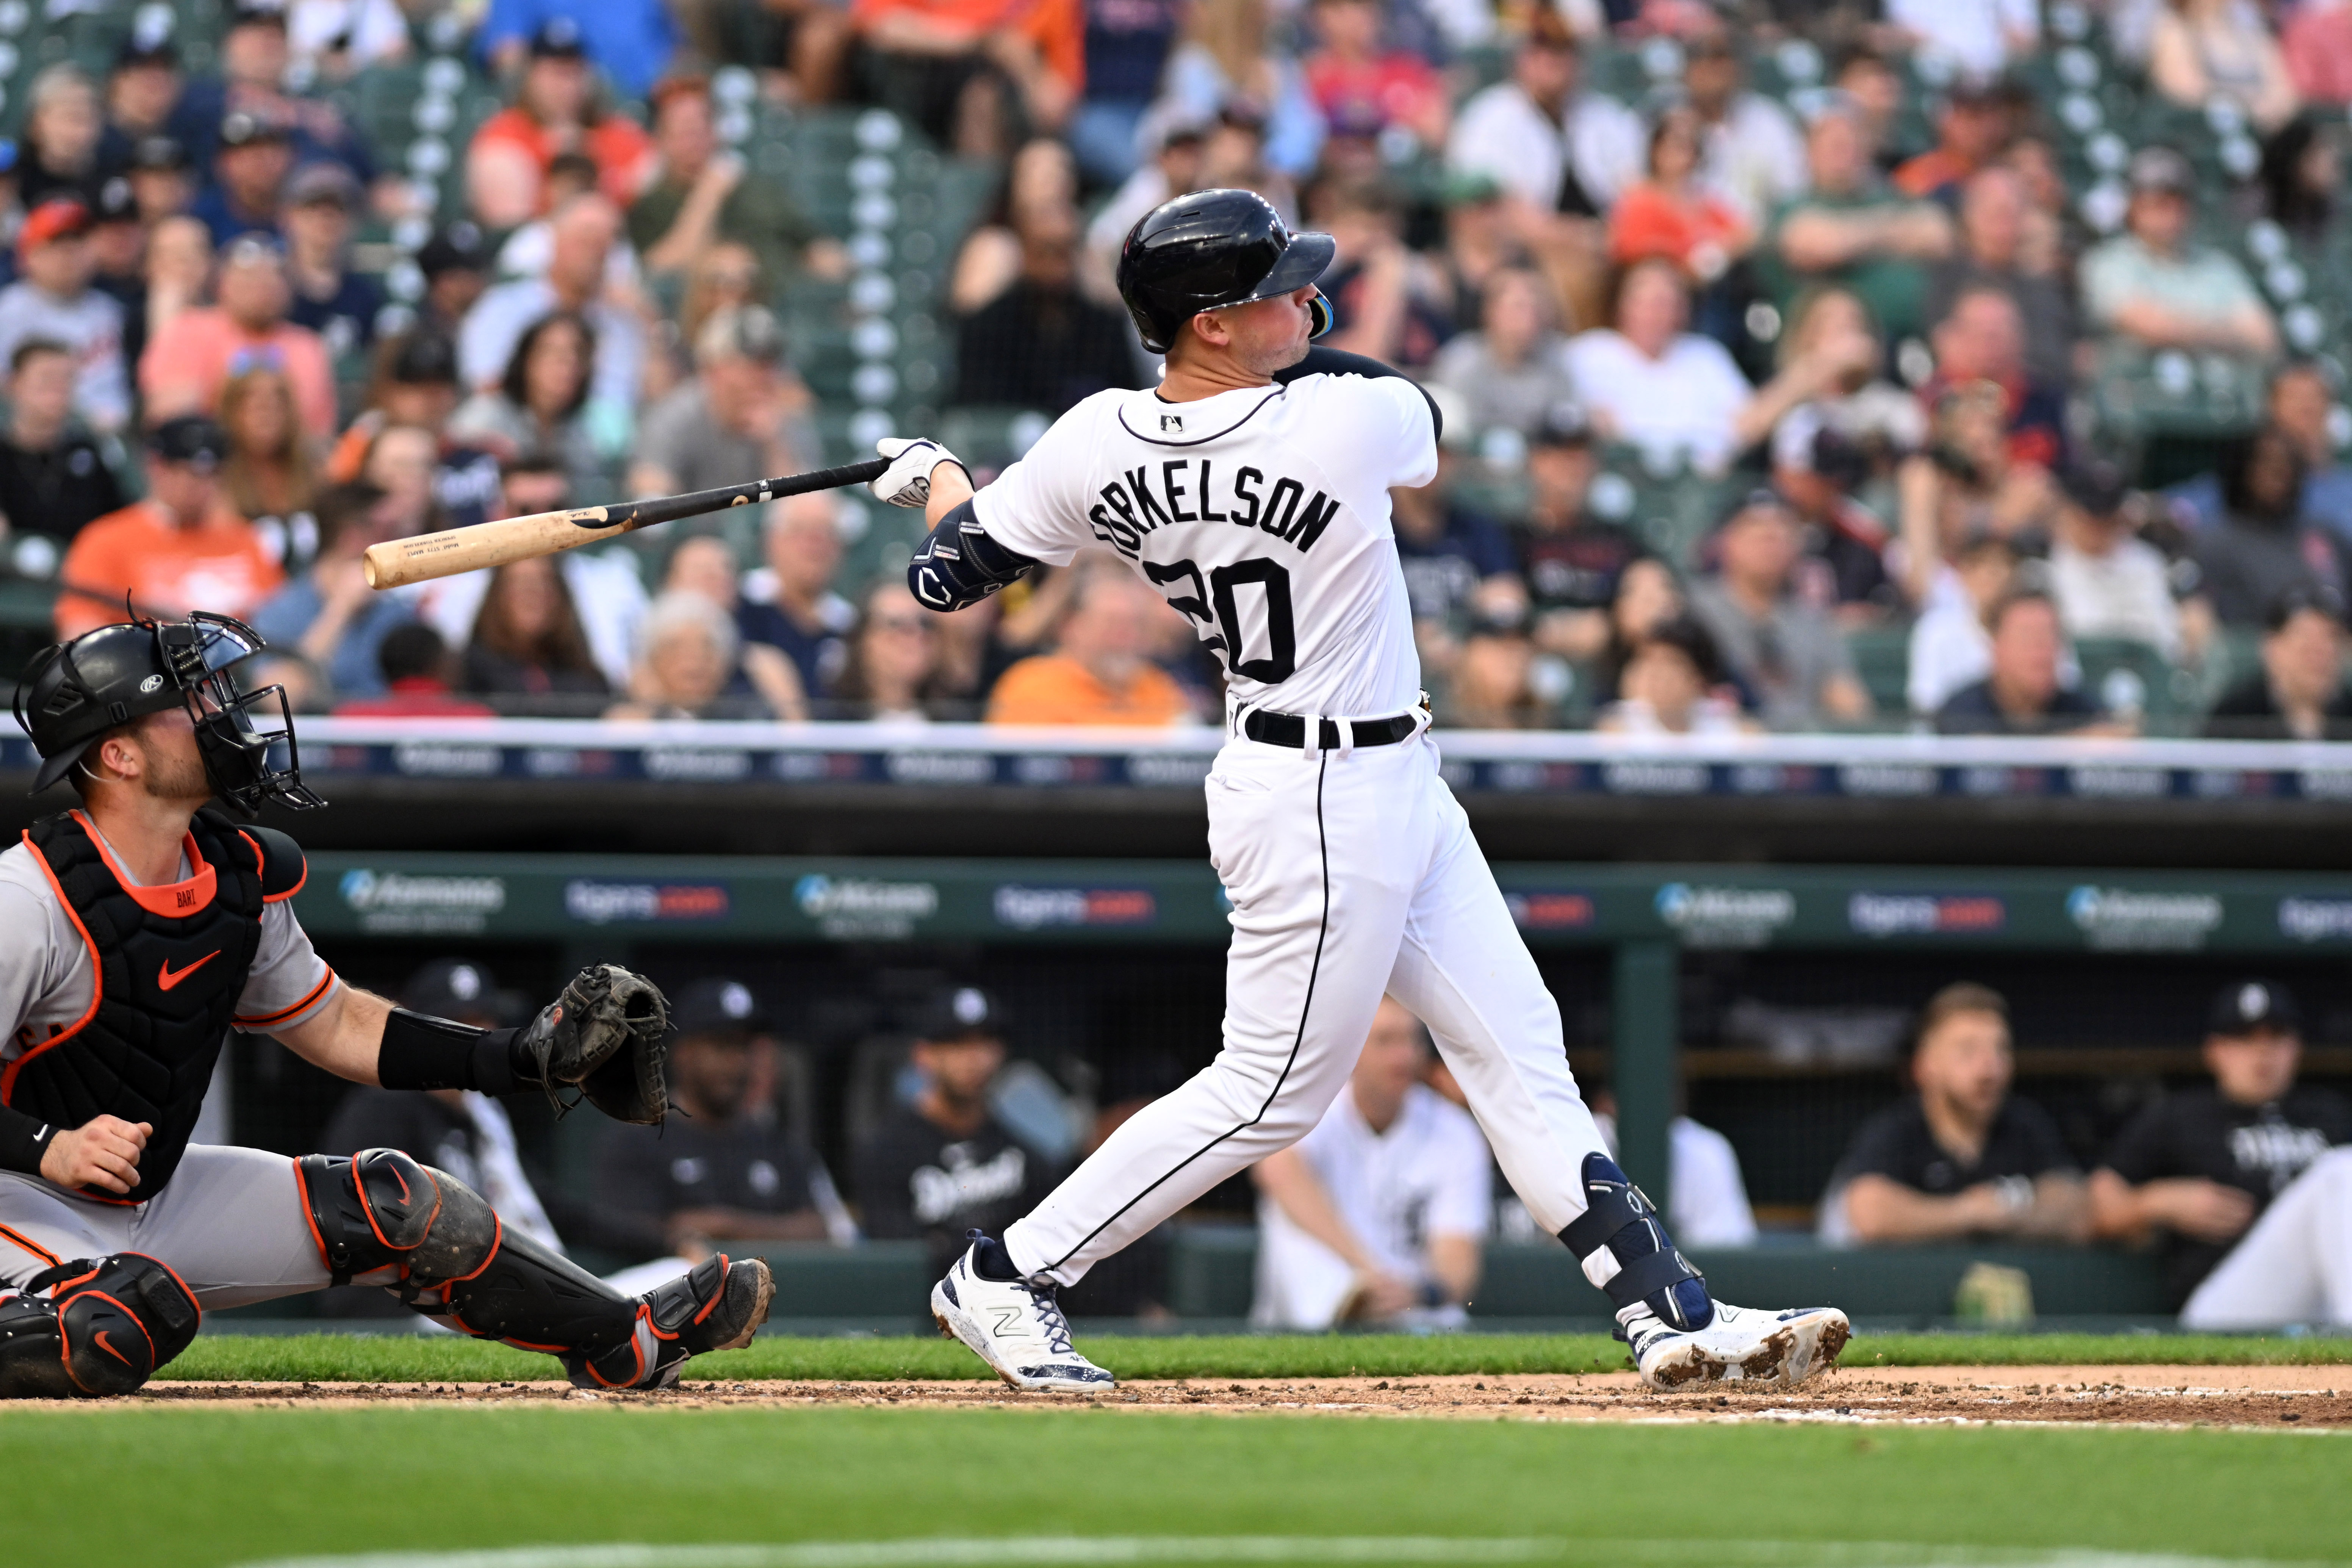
(249,172)
(53,476)
(1227,64)
(159,179)
(1852,229)
(1786,650)
(744,414)
(1042,344)
(555,109)
(1514,369)
(54,300)
(702,195)
(2196,1167)
(1379,1214)
(1100,671)
(330,299)
(2024,691)
(1550,146)
(1674,683)
(415,382)
(118,261)
(1970,130)
(631,41)
(455,263)
(180,549)
(539,405)
(1570,561)
(1753,152)
(727,1168)
(2108,582)
(2299,693)
(1646,381)
(1949,648)
(943,1165)
(329,615)
(190,359)
(2265,547)
(58,155)
(254,62)
(146,97)
(791,603)
(1669,215)
(2154,287)
(1991,254)
(2204,51)
(1960,1157)
(583,231)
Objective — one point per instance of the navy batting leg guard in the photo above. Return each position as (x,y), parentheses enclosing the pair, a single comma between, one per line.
(1625,1251)
(103,1327)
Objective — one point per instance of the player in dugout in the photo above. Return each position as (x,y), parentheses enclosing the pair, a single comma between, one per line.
(146,923)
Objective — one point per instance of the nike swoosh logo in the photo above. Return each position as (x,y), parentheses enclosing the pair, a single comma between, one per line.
(100,1336)
(168,977)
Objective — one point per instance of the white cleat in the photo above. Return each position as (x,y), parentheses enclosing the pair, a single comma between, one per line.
(1016,1328)
(1741,1344)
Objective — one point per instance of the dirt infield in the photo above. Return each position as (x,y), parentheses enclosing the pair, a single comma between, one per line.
(2310,1397)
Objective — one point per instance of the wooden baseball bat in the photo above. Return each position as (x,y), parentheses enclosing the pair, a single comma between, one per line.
(445,554)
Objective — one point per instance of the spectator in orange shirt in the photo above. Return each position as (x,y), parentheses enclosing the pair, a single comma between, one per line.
(1101,673)
(1670,215)
(948,65)
(178,549)
(188,362)
(1973,130)
(554,111)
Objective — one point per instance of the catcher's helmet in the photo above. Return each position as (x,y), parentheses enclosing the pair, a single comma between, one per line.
(74,693)
(1213,249)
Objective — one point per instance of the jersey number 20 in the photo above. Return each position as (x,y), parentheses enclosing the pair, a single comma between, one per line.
(1272,578)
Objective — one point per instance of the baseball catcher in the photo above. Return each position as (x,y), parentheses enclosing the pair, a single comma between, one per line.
(145,925)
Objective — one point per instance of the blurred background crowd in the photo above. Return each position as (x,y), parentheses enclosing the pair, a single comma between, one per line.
(1969,364)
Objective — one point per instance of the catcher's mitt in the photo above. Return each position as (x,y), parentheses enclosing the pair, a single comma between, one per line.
(607,1034)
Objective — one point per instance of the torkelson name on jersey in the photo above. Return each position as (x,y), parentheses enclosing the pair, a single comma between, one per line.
(1131,508)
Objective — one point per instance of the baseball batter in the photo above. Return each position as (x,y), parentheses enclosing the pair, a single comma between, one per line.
(1251,490)
(144,925)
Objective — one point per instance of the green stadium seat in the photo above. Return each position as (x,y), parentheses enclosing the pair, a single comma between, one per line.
(2128,677)
(1882,658)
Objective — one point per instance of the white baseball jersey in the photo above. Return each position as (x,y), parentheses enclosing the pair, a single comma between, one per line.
(1427,1174)
(1261,514)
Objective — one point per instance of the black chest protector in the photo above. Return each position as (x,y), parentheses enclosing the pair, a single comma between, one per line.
(170,964)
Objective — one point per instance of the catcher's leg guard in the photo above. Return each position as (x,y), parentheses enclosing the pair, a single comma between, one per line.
(103,1327)
(380,1208)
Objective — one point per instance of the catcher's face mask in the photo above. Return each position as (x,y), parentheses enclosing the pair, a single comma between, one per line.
(241,759)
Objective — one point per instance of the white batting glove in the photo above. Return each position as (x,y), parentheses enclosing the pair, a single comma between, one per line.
(907,480)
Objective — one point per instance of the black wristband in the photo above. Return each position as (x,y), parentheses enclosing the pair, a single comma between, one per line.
(23,1140)
(424,1052)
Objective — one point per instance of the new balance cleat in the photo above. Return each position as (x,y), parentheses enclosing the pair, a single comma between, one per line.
(1737,1344)
(1014,1326)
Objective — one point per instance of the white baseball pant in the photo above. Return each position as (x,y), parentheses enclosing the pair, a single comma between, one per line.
(1352,873)
(2295,1265)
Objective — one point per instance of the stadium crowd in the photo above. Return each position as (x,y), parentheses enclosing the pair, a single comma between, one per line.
(1797,357)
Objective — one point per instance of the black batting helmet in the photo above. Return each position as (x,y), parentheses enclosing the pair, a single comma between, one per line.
(74,693)
(1208,249)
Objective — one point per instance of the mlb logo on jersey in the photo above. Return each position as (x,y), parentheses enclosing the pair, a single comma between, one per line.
(1171,425)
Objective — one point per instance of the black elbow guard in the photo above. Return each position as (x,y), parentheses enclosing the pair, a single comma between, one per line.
(959,565)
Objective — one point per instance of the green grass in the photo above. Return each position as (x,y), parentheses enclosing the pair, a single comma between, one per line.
(203,1486)
(358,1358)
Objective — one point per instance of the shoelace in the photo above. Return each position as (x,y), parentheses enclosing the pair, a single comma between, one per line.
(1048,1302)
